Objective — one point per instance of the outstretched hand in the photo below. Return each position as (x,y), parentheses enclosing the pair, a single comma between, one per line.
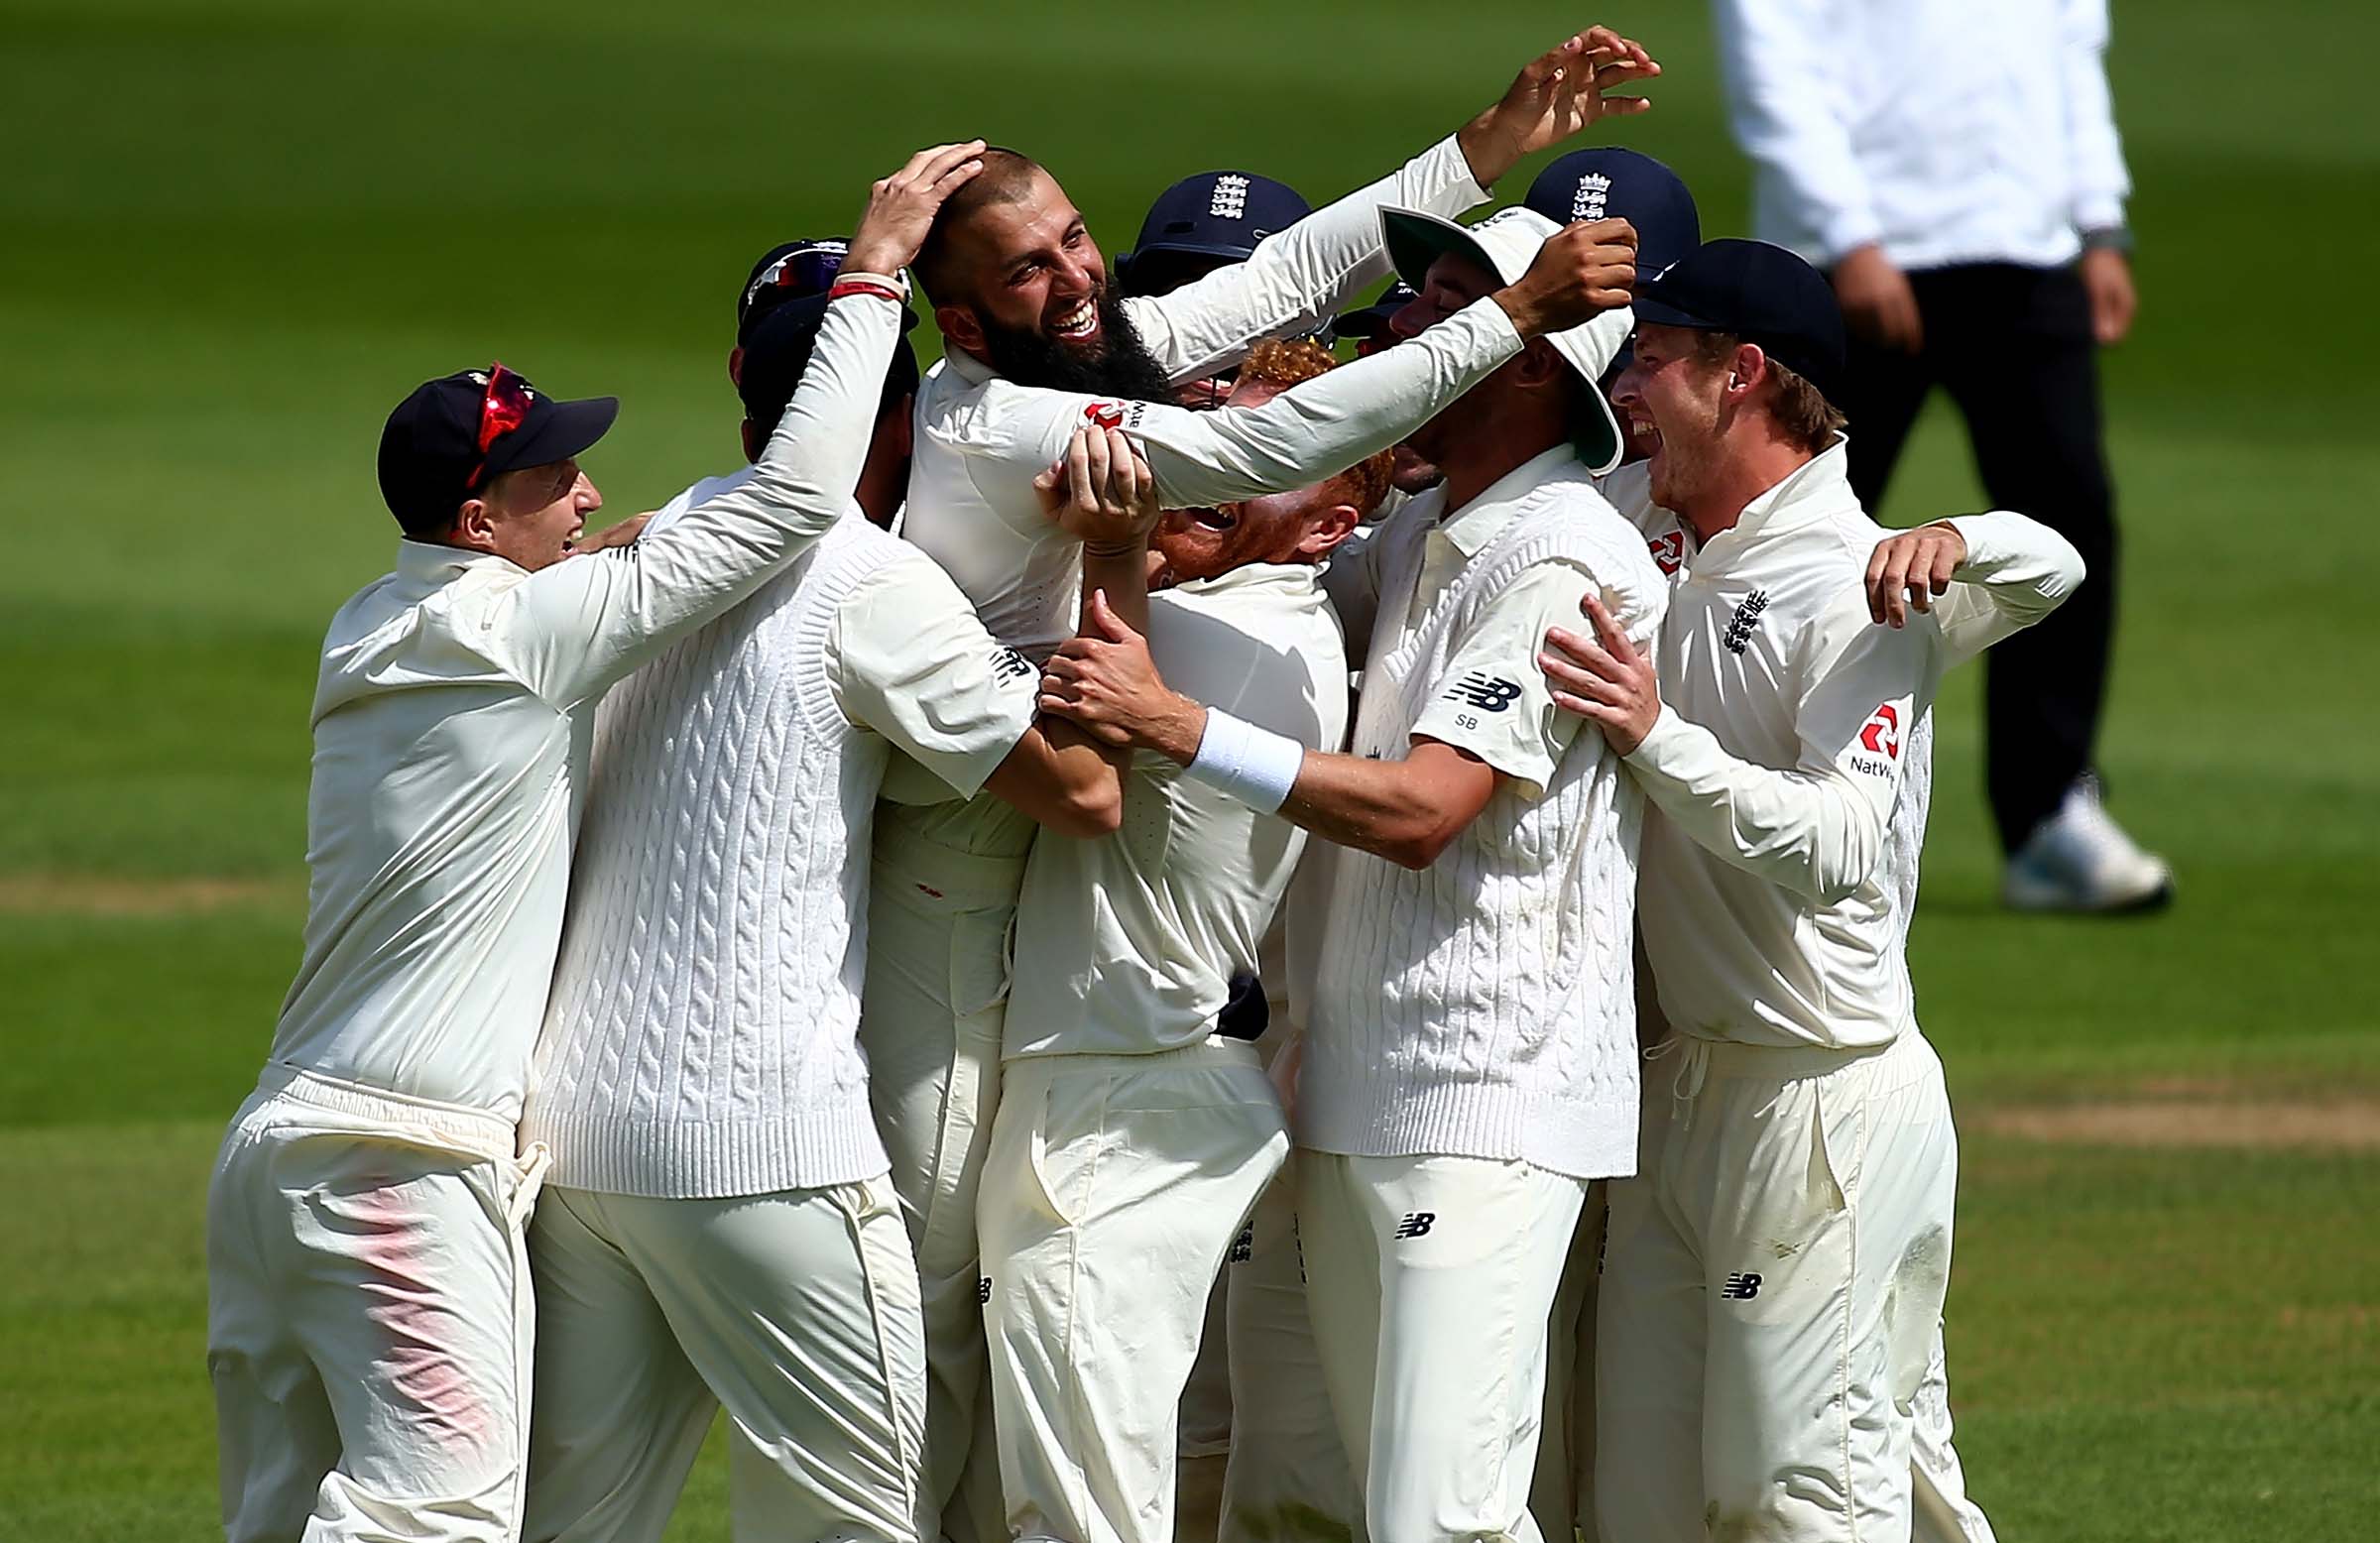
(901,207)
(1100,492)
(1555,96)
(1103,681)
(1602,679)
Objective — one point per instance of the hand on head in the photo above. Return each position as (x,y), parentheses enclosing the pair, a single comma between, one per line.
(1581,271)
(901,207)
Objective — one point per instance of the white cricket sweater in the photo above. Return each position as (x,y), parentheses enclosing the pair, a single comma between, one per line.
(1485,1005)
(702,1039)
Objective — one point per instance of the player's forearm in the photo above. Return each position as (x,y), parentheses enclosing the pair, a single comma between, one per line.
(1122,574)
(1063,780)
(597,617)
(1299,277)
(1390,808)
(1328,423)
(1804,831)
(2017,571)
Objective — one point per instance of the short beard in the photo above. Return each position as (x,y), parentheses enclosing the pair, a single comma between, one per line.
(1121,367)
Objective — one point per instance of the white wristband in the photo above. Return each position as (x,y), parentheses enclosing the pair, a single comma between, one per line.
(1252,765)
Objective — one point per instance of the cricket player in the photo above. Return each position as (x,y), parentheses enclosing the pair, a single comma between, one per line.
(1774,1274)
(1036,343)
(1136,1125)
(1472,1061)
(718,1230)
(369,1301)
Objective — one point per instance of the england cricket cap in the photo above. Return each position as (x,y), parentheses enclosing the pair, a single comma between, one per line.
(1504,244)
(1608,182)
(790,270)
(778,350)
(454,436)
(1760,292)
(1372,320)
(1205,222)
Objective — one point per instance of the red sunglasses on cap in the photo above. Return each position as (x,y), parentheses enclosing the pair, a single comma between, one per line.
(503,408)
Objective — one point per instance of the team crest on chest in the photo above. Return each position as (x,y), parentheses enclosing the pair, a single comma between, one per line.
(1738,635)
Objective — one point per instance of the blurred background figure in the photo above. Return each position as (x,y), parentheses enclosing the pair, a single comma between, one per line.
(1955,169)
(1200,223)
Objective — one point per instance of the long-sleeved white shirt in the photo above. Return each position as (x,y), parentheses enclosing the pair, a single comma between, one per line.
(1945,130)
(1768,912)
(452,723)
(982,439)
(1129,942)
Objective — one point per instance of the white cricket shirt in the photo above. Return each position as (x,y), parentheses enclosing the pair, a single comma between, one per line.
(702,1041)
(1768,911)
(1948,130)
(1129,943)
(982,439)
(450,751)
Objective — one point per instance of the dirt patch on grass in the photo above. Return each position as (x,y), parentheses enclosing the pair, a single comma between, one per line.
(79,894)
(2335,1125)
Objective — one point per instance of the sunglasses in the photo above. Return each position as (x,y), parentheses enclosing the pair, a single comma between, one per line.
(808,271)
(503,408)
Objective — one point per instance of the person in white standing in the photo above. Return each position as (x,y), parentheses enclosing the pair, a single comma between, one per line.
(1472,1063)
(1964,187)
(1137,1126)
(1036,339)
(1774,1274)
(369,1319)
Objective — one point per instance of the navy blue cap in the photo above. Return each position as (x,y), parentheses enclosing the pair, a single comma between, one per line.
(777,348)
(1607,183)
(1764,294)
(790,269)
(1205,222)
(1372,320)
(430,458)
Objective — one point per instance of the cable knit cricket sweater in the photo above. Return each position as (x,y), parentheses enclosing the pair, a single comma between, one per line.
(1484,1006)
(701,1040)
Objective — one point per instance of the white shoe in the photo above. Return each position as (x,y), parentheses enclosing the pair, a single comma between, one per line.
(2080,860)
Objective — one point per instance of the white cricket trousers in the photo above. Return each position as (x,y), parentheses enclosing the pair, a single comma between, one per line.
(368,1323)
(1114,1187)
(796,1311)
(930,1022)
(1287,1475)
(1431,1280)
(1772,1283)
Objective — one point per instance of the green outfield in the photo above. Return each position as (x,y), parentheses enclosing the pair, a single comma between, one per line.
(232,234)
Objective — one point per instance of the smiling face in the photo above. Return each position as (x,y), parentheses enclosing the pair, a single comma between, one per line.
(1671,399)
(1303,525)
(1028,265)
(531,516)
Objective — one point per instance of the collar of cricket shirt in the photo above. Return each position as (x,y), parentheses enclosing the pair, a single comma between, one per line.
(967,367)
(1291,578)
(1469,528)
(435,562)
(1810,491)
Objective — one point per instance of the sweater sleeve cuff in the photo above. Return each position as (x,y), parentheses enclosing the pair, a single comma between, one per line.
(1449,185)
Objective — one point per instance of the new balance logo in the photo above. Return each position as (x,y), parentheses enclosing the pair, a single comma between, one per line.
(1244,1246)
(1740,1287)
(1487,693)
(1008,665)
(982,1289)
(1416,1224)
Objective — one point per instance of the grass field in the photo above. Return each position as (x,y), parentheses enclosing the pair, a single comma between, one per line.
(232,234)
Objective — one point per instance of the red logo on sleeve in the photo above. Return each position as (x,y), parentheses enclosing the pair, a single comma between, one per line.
(1107,415)
(1882,731)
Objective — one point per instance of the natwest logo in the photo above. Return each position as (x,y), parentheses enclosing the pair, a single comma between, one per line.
(1881,732)
(1107,415)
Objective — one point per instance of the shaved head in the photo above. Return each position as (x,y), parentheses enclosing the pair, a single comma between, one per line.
(1007,177)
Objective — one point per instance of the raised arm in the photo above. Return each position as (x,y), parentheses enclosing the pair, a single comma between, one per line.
(1334,420)
(1300,276)
(586,621)
(1984,576)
